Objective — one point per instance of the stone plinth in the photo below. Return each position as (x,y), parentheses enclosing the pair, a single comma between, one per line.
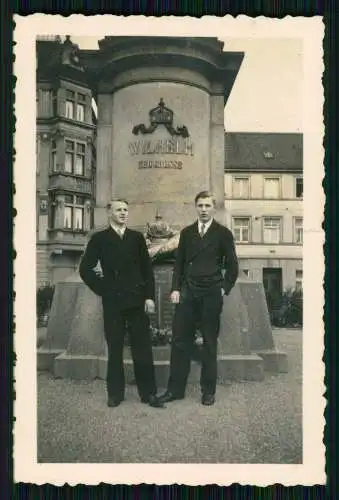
(234,325)
(261,338)
(253,295)
(86,343)
(60,322)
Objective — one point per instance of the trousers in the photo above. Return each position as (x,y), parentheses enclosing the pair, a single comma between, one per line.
(136,321)
(192,311)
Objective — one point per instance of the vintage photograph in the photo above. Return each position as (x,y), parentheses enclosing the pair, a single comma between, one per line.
(169,248)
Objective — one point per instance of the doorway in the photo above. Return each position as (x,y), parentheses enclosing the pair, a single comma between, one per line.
(272,280)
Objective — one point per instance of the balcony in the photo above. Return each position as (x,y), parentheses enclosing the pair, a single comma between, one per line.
(72,183)
(67,239)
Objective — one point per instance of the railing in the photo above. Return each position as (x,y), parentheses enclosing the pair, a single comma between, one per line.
(67,236)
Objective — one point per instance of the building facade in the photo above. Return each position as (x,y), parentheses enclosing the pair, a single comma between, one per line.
(65,151)
(263,200)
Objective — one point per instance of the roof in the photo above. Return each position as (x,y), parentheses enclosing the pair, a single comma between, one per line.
(263,151)
(59,60)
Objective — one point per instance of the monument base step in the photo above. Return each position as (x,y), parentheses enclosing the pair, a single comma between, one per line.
(240,367)
(230,367)
(162,370)
(274,361)
(46,357)
(76,367)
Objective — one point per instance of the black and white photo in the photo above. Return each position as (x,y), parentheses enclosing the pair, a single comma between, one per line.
(172,267)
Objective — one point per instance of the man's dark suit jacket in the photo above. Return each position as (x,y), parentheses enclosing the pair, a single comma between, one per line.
(203,261)
(127,271)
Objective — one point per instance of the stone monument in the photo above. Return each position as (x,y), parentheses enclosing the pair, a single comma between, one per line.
(160,140)
(160,124)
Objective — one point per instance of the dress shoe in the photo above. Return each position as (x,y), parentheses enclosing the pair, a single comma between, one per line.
(208,399)
(153,401)
(168,396)
(112,402)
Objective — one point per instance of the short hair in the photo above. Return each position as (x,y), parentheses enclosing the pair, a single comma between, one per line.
(121,200)
(205,194)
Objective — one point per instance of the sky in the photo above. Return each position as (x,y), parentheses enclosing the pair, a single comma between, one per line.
(266,96)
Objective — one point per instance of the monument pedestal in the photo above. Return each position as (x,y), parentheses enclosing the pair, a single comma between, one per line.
(245,344)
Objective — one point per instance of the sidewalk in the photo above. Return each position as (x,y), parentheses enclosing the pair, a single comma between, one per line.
(251,422)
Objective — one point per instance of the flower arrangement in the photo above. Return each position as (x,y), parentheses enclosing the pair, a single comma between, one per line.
(160,336)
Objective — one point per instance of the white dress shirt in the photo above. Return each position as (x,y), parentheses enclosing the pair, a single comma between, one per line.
(206,225)
(118,229)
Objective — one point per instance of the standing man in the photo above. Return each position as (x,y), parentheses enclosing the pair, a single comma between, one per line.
(206,268)
(127,291)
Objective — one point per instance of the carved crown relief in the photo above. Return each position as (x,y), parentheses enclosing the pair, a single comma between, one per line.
(161,115)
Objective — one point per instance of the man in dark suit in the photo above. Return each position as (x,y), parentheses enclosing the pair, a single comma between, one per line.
(127,290)
(206,268)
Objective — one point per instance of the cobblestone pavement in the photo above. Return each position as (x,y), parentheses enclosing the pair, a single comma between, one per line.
(251,422)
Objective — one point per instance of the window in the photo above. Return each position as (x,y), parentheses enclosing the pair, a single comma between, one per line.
(299,187)
(272,229)
(74,212)
(69,157)
(241,229)
(299,280)
(55,102)
(45,102)
(81,101)
(75,106)
(52,204)
(70,102)
(37,152)
(298,230)
(246,272)
(68,217)
(80,112)
(80,160)
(75,157)
(53,157)
(241,187)
(271,187)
